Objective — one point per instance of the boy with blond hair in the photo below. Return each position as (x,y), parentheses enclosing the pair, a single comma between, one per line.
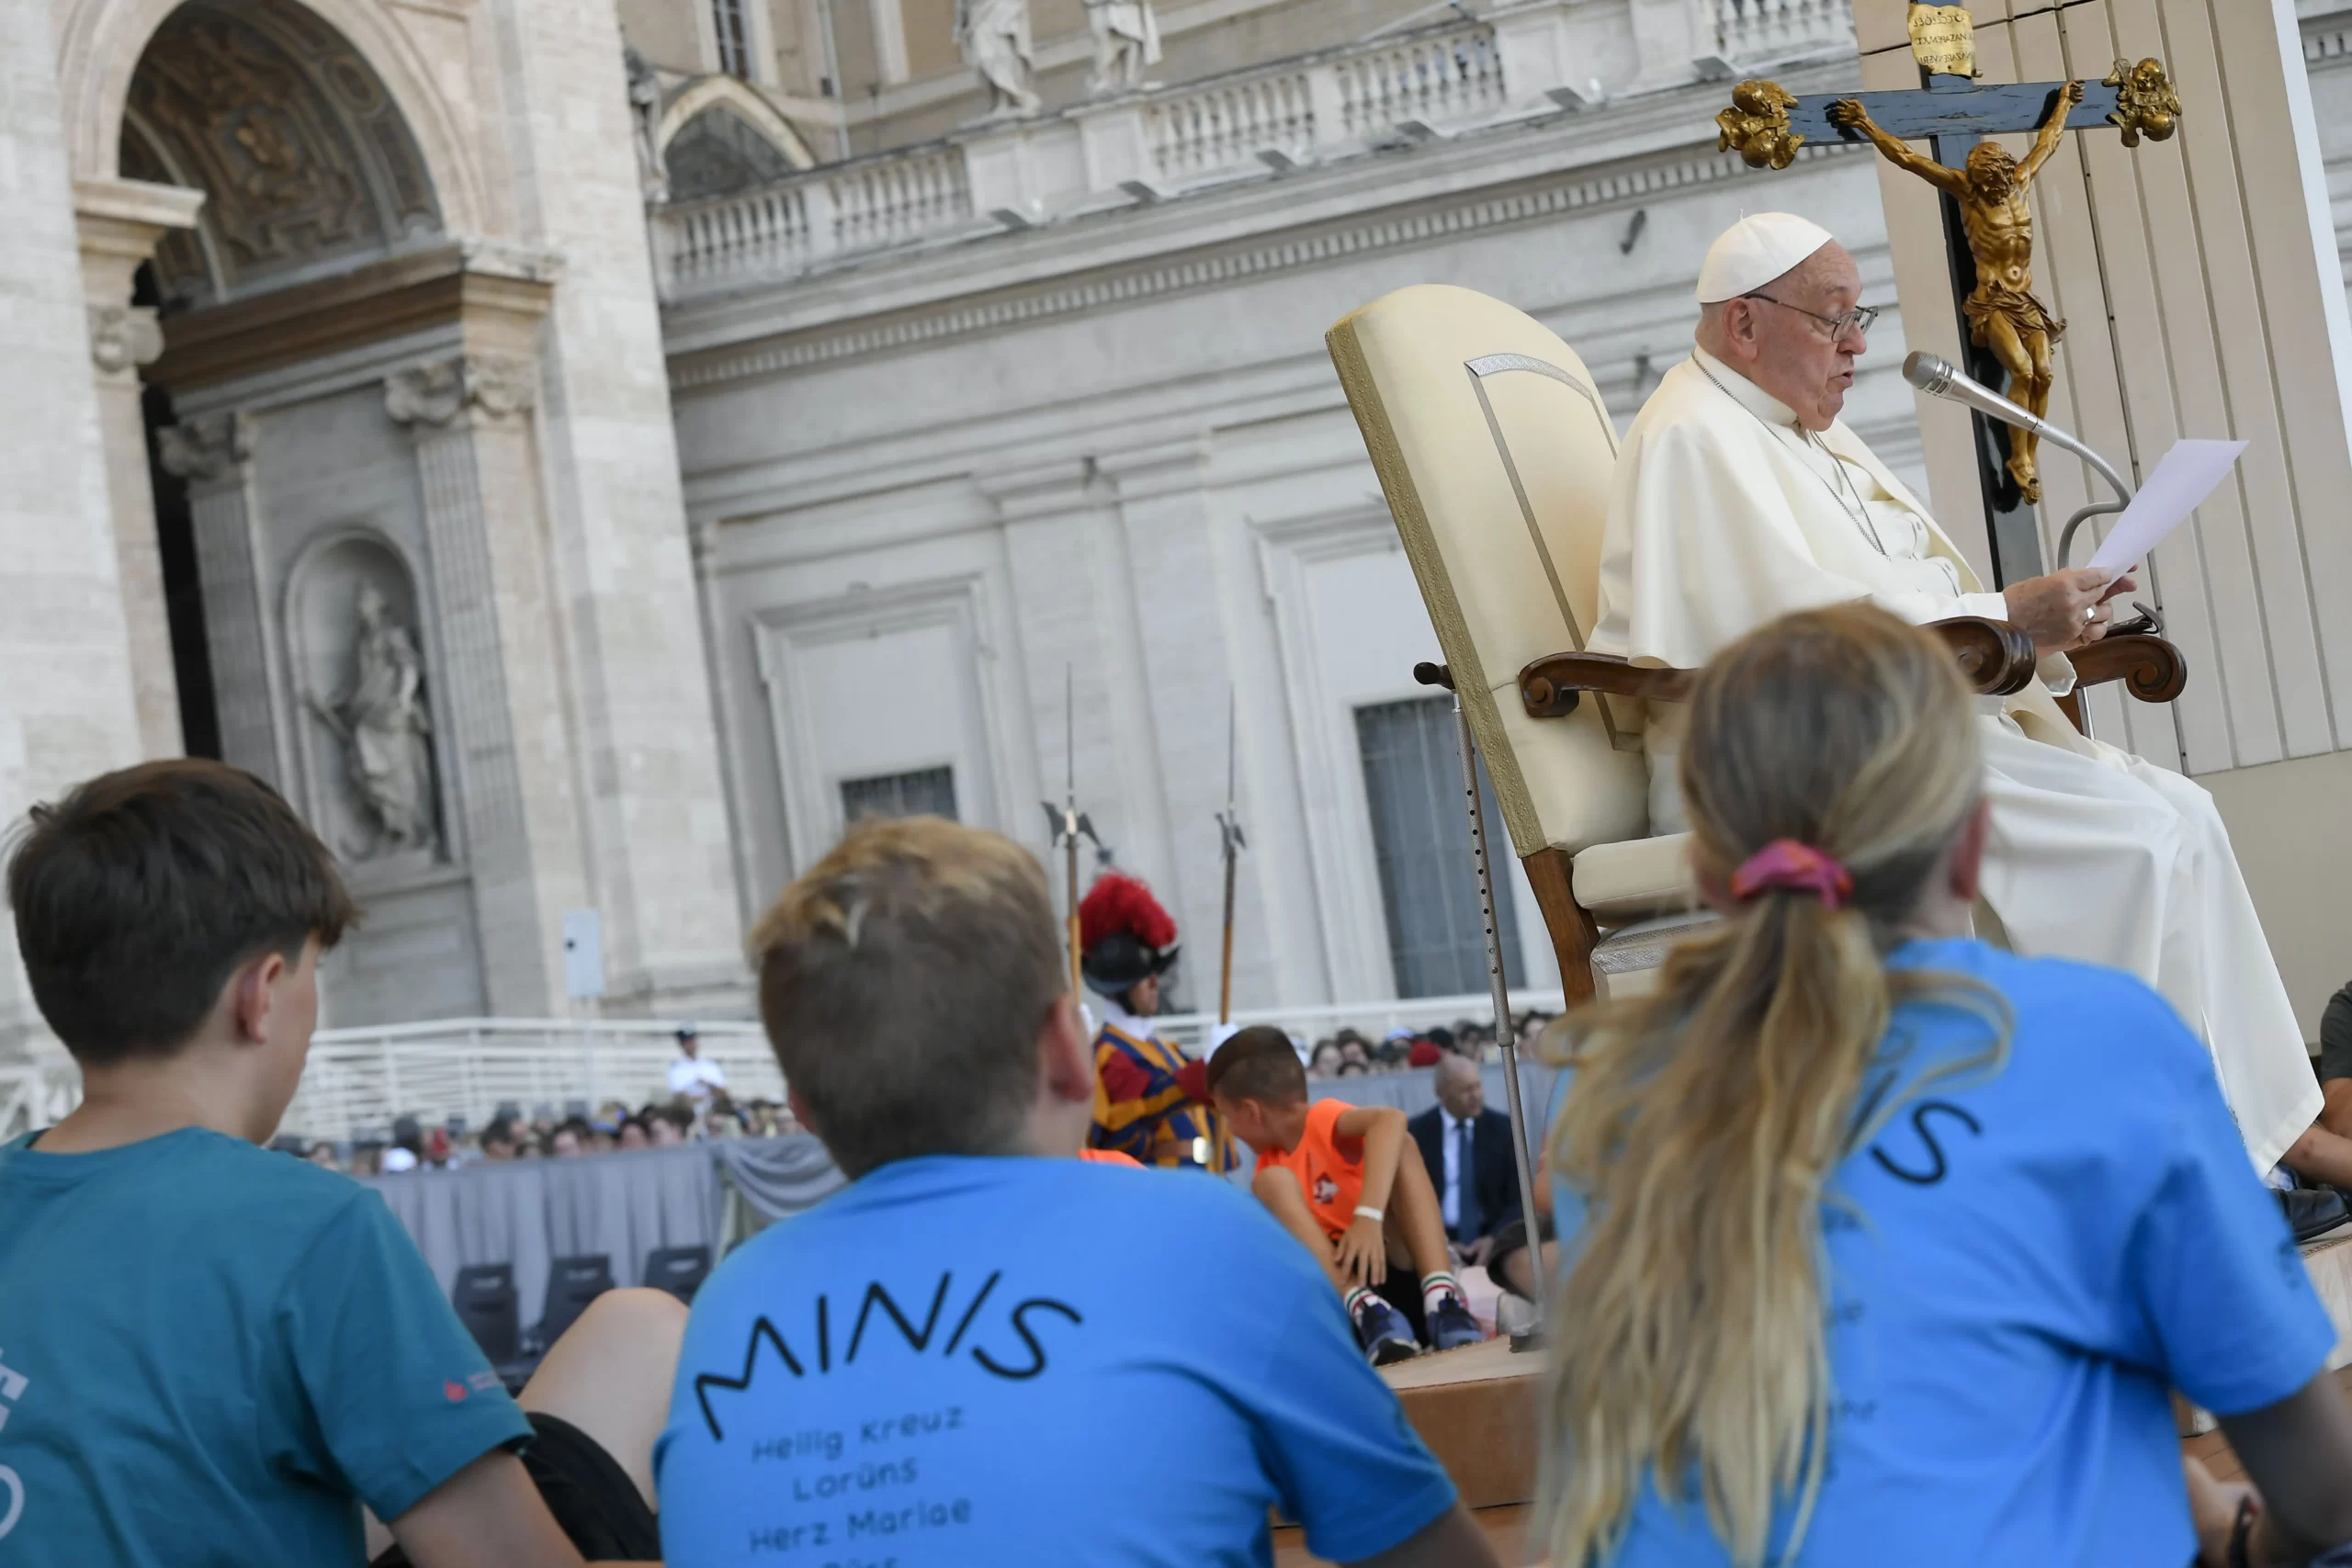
(972,1355)
(1347,1182)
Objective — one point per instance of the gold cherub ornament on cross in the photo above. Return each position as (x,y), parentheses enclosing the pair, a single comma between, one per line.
(2003,315)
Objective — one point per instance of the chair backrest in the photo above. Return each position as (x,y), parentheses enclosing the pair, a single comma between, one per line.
(1495,452)
(486,1304)
(573,1283)
(677,1270)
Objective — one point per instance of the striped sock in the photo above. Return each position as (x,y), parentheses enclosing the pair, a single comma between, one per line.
(1436,1287)
(1356,1297)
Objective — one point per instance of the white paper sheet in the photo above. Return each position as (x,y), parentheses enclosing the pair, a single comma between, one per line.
(2183,478)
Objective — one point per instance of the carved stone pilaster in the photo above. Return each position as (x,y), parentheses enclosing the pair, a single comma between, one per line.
(120,222)
(466,414)
(214,454)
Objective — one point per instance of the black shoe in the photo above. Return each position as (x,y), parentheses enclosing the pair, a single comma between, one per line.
(1451,1324)
(2315,1212)
(1383,1332)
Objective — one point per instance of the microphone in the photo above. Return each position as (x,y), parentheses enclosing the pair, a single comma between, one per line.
(1939,379)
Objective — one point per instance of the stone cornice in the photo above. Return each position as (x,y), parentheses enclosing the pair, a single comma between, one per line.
(1510,174)
(495,298)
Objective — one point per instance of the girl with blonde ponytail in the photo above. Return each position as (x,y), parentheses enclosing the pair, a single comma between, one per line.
(1844,1280)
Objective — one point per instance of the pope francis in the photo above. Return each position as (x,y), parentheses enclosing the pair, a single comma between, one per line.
(1739,496)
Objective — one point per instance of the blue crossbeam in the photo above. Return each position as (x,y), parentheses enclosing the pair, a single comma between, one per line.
(1967,109)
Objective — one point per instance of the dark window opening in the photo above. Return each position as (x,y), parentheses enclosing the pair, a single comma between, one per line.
(1420,838)
(734,37)
(930,792)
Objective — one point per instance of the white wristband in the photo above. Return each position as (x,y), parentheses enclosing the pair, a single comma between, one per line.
(1366,1212)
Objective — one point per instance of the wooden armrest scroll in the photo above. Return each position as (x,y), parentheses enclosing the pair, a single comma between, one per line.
(1549,686)
(1995,657)
(2151,669)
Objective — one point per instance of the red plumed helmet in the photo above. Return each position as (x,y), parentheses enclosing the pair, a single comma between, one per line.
(1126,935)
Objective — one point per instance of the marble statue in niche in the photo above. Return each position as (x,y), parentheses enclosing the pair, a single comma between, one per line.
(994,36)
(385,730)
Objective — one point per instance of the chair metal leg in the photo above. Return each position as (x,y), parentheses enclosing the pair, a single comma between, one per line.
(1505,1036)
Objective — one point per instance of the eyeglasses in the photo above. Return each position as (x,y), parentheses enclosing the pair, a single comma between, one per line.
(1857,320)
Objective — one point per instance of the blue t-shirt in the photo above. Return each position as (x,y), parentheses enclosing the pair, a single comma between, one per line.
(2023,1265)
(212,1354)
(965,1362)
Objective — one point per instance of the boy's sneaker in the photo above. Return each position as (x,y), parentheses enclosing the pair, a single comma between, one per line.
(1451,1324)
(1383,1332)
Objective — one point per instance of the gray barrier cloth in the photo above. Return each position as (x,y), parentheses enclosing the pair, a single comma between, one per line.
(625,1205)
(777,1177)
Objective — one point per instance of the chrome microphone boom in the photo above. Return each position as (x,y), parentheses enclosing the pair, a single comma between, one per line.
(1939,379)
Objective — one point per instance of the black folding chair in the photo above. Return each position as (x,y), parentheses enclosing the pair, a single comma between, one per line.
(484,1297)
(573,1283)
(678,1270)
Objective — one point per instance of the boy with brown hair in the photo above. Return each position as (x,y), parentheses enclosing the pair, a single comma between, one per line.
(971,1357)
(215,1353)
(1347,1182)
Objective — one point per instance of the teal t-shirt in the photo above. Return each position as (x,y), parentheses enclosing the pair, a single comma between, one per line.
(212,1353)
(2021,1263)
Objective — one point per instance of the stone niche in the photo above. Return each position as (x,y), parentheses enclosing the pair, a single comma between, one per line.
(375,777)
(366,738)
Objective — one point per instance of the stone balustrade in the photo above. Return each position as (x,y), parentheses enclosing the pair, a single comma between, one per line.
(1520,60)
(1753,32)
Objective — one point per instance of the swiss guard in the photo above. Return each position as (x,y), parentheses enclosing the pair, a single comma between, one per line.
(1150,1101)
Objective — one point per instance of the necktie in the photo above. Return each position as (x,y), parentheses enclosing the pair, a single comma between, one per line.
(1470,1220)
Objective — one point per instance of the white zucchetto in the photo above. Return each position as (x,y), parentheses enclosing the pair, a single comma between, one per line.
(1755,250)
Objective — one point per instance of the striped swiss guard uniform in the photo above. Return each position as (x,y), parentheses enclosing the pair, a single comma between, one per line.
(1150,1101)
(1143,1106)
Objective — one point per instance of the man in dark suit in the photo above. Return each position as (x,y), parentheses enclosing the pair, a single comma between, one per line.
(1467,1150)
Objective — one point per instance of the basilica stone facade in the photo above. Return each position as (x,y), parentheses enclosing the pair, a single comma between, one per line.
(584,456)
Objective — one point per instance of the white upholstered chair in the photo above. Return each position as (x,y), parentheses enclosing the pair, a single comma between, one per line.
(1495,452)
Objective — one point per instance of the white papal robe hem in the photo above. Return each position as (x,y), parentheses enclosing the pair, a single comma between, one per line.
(1724,516)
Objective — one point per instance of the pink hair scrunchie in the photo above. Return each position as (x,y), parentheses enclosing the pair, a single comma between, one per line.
(1798,868)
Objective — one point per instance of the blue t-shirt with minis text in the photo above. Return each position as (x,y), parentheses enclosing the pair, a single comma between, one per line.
(2021,1264)
(960,1363)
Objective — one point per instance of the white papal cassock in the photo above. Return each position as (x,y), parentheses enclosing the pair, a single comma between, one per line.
(1724,513)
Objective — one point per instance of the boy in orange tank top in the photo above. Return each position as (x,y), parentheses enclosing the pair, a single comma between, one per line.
(1347,1182)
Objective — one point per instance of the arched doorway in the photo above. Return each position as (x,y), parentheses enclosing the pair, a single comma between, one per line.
(308,169)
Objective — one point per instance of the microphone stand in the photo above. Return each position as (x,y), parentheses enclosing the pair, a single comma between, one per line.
(1939,379)
(1932,375)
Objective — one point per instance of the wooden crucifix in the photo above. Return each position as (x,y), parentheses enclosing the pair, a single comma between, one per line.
(1988,232)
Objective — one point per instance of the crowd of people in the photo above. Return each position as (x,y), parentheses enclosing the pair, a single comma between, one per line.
(1349,1052)
(699,1107)
(510,1135)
